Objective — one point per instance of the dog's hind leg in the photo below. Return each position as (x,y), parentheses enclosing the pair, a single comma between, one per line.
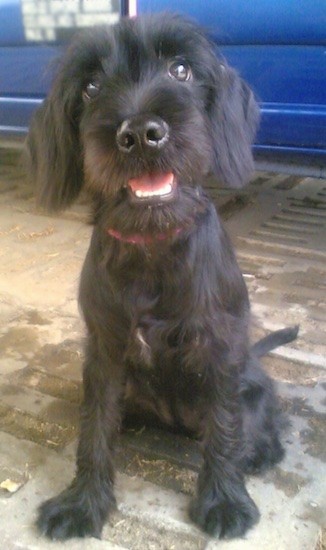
(262,419)
(261,415)
(82,508)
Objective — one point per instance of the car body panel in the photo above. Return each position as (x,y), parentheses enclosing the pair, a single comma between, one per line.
(255,22)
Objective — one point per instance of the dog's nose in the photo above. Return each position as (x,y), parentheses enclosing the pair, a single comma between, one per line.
(142,133)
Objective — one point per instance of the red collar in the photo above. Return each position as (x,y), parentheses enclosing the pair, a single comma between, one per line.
(140,239)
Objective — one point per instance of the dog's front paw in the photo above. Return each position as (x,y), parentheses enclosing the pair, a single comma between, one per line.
(70,514)
(224,518)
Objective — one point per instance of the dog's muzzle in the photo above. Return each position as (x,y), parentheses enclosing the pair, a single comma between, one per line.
(144,135)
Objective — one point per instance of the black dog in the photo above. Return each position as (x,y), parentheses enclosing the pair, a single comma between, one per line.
(139,113)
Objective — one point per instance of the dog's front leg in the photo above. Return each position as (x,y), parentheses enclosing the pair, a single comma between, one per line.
(82,508)
(223,507)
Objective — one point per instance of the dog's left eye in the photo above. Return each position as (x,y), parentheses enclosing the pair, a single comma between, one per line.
(179,70)
(91,90)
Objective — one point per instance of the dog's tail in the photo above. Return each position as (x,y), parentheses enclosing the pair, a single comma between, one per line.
(275,339)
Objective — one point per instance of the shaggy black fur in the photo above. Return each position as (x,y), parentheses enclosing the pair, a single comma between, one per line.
(135,106)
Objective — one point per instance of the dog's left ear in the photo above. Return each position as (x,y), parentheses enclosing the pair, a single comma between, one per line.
(234,116)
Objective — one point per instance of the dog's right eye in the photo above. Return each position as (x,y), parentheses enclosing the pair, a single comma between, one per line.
(92,90)
(179,70)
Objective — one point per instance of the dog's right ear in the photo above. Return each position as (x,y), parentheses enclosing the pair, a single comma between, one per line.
(53,148)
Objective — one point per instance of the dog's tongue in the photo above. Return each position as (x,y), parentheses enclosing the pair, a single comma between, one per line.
(152,185)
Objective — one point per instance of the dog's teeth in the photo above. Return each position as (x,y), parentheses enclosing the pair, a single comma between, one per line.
(166,190)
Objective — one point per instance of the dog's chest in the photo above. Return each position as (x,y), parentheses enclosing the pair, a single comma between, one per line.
(165,357)
(159,382)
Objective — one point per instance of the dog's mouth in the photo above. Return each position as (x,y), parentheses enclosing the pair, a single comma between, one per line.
(152,188)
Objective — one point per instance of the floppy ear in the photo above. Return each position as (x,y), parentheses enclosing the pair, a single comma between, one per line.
(234,117)
(53,147)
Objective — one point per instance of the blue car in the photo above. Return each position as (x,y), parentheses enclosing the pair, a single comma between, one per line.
(278,47)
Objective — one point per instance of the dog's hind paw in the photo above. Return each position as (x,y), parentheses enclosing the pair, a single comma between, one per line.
(224,519)
(69,515)
(263,459)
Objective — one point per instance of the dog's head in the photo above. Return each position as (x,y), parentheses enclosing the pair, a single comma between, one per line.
(140,112)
